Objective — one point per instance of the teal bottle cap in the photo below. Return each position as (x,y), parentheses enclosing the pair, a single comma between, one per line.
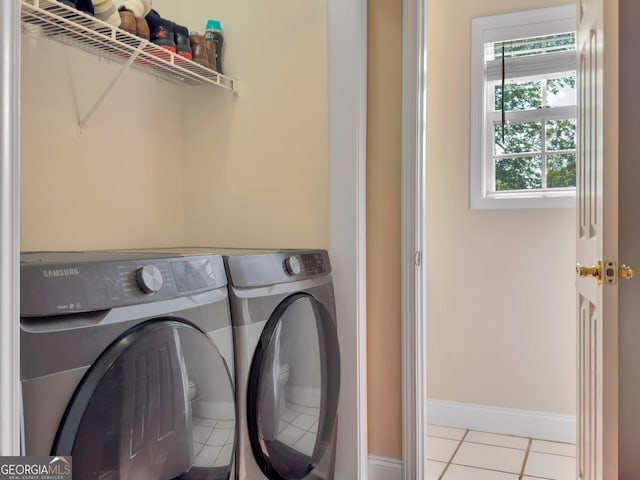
(214,25)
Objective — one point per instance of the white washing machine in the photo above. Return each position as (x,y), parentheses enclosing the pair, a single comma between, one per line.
(127,364)
(287,363)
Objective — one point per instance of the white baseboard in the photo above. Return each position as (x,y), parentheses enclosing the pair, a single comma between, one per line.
(526,423)
(384,468)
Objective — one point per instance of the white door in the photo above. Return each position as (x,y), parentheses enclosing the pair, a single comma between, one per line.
(597,240)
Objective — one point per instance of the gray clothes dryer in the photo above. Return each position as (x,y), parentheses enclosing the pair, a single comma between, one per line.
(287,363)
(127,364)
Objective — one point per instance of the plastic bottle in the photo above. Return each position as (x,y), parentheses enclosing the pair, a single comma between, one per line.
(213,34)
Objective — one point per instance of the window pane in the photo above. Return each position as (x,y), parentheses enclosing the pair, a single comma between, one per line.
(519,96)
(561,171)
(561,134)
(561,91)
(523,173)
(518,138)
(531,46)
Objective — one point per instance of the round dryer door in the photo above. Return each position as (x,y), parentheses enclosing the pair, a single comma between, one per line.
(157,404)
(292,396)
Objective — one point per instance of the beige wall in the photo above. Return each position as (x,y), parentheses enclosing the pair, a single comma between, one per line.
(256,165)
(117,185)
(500,283)
(500,300)
(162,165)
(384,362)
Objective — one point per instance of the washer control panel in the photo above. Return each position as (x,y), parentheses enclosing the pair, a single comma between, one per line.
(149,279)
(64,287)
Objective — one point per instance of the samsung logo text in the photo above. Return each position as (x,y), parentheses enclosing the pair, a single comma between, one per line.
(60,272)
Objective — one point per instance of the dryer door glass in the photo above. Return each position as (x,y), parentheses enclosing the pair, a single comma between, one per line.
(293,389)
(157,404)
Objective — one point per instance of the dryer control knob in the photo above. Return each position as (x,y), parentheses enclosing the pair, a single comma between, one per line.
(149,278)
(292,266)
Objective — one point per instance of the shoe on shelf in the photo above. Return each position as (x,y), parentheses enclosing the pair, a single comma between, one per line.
(65,13)
(128,22)
(140,8)
(161,31)
(85,6)
(181,38)
(68,3)
(106,11)
(142,28)
(199,49)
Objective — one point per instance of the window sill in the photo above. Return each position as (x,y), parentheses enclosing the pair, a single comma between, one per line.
(522,201)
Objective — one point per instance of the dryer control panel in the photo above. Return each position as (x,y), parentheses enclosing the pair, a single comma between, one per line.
(72,282)
(262,269)
(308,263)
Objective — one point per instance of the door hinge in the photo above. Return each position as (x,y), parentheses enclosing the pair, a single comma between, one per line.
(418,259)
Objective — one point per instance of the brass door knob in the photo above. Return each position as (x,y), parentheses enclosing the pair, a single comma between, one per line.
(611,272)
(595,271)
(626,272)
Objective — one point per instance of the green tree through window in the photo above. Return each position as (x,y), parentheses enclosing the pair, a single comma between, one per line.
(551,162)
(537,154)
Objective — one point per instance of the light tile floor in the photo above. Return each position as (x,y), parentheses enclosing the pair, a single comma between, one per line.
(298,427)
(458,454)
(213,441)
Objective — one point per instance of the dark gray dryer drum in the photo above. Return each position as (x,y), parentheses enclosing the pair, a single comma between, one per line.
(293,387)
(157,404)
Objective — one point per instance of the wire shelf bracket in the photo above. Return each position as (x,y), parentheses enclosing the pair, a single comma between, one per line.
(59,22)
(82,122)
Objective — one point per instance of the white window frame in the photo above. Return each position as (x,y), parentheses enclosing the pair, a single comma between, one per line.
(496,28)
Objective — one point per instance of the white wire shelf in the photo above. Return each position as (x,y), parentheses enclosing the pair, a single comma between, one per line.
(61,23)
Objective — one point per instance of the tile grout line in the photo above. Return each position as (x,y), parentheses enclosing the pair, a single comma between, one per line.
(446,467)
(466,438)
(495,445)
(526,457)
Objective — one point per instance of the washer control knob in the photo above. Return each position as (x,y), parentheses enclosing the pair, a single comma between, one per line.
(149,278)
(292,266)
